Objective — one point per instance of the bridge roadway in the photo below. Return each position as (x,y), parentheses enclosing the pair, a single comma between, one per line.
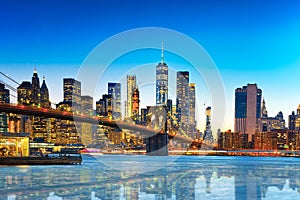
(64,115)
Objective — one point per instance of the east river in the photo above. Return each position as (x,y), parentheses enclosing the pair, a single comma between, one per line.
(109,177)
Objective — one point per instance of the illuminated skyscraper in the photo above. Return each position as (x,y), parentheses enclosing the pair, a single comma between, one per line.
(114,89)
(247,109)
(161,81)
(36,93)
(131,84)
(192,109)
(24,98)
(4,98)
(86,128)
(144,113)
(182,97)
(72,92)
(292,121)
(25,93)
(208,136)
(135,104)
(104,106)
(185,104)
(41,127)
(266,123)
(69,131)
(45,102)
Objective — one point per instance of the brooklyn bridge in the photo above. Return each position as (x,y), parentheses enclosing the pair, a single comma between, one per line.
(156,139)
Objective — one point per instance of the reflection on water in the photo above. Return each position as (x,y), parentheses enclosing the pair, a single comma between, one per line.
(186,178)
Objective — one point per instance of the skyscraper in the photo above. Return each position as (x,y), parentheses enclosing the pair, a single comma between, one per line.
(69,131)
(104,106)
(4,98)
(72,92)
(292,121)
(86,128)
(182,97)
(25,93)
(135,104)
(114,89)
(161,81)
(45,102)
(24,98)
(35,89)
(131,84)
(247,109)
(208,136)
(192,109)
(266,123)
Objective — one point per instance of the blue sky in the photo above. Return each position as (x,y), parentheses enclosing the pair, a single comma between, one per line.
(250,41)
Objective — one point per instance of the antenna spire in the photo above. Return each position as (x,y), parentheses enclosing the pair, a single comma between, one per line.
(162,52)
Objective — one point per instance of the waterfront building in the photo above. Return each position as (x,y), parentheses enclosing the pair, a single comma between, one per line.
(247,110)
(4,98)
(233,141)
(114,89)
(274,140)
(161,81)
(131,85)
(14,144)
(229,140)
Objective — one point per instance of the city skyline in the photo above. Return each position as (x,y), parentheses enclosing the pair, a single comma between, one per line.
(250,42)
(140,99)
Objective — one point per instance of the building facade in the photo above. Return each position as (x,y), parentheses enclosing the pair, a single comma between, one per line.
(161,82)
(68,132)
(131,84)
(4,98)
(185,104)
(247,109)
(114,89)
(87,128)
(135,109)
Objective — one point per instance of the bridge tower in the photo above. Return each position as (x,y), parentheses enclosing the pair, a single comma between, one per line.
(157,145)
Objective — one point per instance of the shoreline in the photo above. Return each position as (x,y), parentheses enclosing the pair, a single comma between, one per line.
(249,153)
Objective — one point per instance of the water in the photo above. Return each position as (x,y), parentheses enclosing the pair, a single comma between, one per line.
(109,177)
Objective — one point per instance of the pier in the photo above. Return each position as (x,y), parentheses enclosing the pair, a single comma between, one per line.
(42,160)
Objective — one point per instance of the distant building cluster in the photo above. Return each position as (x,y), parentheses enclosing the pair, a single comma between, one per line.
(254,129)
(173,118)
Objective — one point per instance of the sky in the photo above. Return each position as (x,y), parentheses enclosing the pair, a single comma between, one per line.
(250,41)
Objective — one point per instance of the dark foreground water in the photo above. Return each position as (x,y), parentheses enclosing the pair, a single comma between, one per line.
(141,177)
